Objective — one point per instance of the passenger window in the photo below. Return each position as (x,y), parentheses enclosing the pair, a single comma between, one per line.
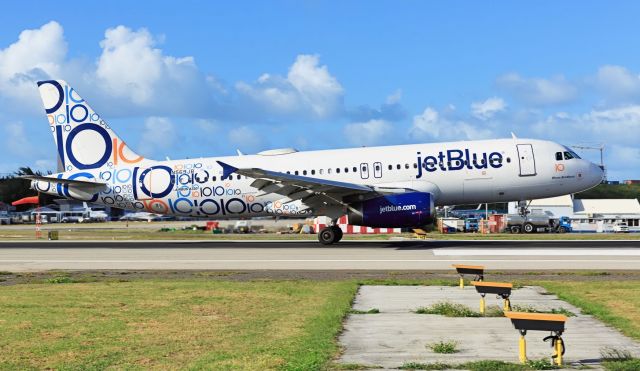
(508,159)
(398,166)
(238,177)
(337,170)
(406,166)
(346,169)
(568,156)
(230,177)
(313,172)
(415,166)
(355,169)
(390,167)
(377,167)
(296,172)
(329,171)
(214,178)
(304,172)
(320,171)
(558,156)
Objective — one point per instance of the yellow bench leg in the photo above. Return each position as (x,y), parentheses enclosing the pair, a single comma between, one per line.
(507,305)
(559,352)
(523,350)
(482,306)
(461,283)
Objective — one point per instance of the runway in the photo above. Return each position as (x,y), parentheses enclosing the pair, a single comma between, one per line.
(309,255)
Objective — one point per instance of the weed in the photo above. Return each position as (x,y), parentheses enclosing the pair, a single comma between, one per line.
(5,273)
(490,365)
(613,354)
(444,347)
(541,364)
(448,309)
(426,366)
(60,279)
(352,366)
(370,311)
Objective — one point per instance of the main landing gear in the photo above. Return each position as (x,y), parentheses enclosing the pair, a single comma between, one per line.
(330,235)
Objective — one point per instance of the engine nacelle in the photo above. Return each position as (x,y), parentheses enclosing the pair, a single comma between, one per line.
(394,211)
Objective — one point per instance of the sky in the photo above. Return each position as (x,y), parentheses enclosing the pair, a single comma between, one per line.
(200,78)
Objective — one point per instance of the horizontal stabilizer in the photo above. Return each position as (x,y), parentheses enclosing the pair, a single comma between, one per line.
(72,182)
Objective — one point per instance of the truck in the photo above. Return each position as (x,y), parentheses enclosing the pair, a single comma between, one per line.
(532,223)
(471,225)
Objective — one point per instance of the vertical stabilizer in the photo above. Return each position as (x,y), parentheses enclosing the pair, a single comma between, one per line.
(83,139)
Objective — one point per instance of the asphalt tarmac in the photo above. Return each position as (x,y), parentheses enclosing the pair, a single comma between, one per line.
(310,255)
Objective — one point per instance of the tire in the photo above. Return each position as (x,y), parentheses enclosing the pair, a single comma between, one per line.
(529,228)
(327,236)
(562,230)
(338,232)
(515,229)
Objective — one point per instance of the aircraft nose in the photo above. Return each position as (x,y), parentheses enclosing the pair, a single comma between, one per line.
(595,173)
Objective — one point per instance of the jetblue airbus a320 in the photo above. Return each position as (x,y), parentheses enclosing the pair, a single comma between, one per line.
(391,186)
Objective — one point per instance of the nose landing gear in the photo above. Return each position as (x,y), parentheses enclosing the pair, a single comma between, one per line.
(330,235)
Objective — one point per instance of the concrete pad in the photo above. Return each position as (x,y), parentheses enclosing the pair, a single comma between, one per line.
(397,335)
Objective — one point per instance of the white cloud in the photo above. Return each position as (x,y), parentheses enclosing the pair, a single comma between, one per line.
(431,125)
(158,137)
(487,109)
(131,67)
(539,91)
(617,81)
(36,55)
(308,89)
(367,133)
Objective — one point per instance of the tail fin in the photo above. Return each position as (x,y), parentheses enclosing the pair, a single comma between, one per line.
(83,138)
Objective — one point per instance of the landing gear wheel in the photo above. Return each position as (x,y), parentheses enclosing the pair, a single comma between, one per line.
(515,229)
(529,228)
(338,232)
(327,236)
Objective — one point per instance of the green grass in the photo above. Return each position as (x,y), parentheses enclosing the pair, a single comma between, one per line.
(616,303)
(444,347)
(628,365)
(531,309)
(288,325)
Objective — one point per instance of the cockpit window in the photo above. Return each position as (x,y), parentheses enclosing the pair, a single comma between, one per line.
(575,155)
(558,156)
(568,156)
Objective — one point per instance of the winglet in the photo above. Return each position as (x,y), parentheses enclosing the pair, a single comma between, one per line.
(226,169)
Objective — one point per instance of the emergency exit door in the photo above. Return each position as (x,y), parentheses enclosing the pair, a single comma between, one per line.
(526,159)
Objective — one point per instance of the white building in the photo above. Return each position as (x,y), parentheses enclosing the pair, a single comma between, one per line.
(588,215)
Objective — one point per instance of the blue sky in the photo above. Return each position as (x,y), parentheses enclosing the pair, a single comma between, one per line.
(203,78)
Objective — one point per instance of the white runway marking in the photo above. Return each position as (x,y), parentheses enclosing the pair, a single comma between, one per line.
(536,252)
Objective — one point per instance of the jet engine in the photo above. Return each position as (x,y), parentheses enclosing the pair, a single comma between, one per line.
(411,209)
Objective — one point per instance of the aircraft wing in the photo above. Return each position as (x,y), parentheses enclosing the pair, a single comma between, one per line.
(309,190)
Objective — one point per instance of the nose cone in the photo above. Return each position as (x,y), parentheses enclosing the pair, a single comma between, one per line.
(594,174)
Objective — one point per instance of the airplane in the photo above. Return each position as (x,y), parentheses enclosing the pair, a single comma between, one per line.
(388,186)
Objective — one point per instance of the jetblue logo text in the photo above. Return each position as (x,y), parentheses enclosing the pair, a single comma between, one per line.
(392,208)
(457,159)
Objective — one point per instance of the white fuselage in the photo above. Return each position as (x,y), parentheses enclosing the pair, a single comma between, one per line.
(454,173)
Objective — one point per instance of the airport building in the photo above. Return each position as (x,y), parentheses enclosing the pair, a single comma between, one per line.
(589,215)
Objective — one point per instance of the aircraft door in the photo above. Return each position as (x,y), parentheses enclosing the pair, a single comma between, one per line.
(377,169)
(526,159)
(364,170)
